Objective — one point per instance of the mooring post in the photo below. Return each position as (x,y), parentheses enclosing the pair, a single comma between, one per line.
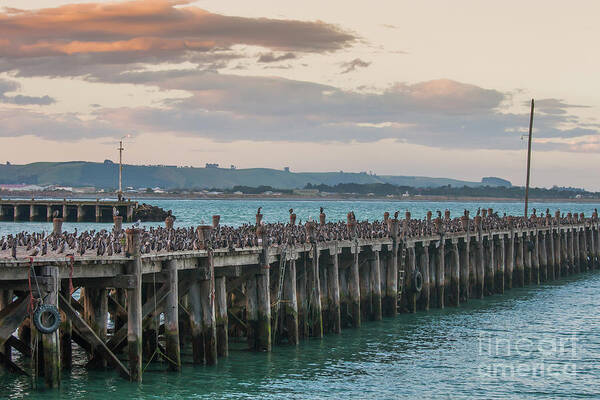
(66,332)
(424,264)
(463,250)
(583,251)
(98,213)
(171,315)
(527,263)
(490,266)
(51,341)
(455,267)
(32,212)
(333,292)
(564,254)
(80,213)
(410,270)
(390,298)
(290,305)
(134,306)
(480,268)
(551,254)
(207,304)
(222,318)
(263,292)
(543,256)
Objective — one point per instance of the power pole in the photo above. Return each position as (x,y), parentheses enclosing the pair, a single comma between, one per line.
(528,159)
(120,168)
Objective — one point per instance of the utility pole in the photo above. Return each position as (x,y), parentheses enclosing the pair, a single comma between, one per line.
(120,194)
(528,159)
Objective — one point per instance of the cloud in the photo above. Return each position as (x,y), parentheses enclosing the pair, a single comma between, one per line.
(352,65)
(148,31)
(270,57)
(10,86)
(553,106)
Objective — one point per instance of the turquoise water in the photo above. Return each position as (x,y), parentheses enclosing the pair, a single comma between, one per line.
(536,342)
(438,354)
(237,212)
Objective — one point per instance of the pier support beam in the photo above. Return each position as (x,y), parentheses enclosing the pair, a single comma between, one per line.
(409,274)
(80,213)
(490,266)
(365,289)
(202,318)
(440,273)
(535,259)
(95,303)
(315,316)
(333,294)
(464,259)
(551,254)
(390,298)
(424,267)
(171,315)
(51,341)
(500,264)
(221,318)
(302,301)
(134,307)
(480,268)
(376,311)
(519,262)
(454,297)
(290,305)
(354,288)
(543,256)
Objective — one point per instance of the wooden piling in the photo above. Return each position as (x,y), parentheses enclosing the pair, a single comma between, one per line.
(315,317)
(464,259)
(66,333)
(480,269)
(333,293)
(134,307)
(376,310)
(409,277)
(390,298)
(543,256)
(440,272)
(519,262)
(535,259)
(221,316)
(290,305)
(171,315)
(365,289)
(423,300)
(302,301)
(95,303)
(51,341)
(527,270)
(490,267)
(500,264)
(354,288)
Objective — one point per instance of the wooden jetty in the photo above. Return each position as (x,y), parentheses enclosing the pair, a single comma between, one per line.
(267,294)
(68,210)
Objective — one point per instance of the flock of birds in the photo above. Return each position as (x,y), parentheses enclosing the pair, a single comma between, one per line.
(155,240)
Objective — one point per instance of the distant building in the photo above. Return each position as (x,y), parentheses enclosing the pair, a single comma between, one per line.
(232,167)
(21,188)
(211,165)
(85,189)
(306,192)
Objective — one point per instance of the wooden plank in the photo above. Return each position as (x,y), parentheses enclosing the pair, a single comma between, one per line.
(11,318)
(16,343)
(88,333)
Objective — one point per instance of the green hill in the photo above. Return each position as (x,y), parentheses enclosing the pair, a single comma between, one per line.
(105,175)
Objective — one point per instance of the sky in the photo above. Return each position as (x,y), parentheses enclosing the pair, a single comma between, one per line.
(428,88)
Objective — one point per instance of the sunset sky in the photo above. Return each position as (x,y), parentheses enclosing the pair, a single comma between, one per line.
(434,88)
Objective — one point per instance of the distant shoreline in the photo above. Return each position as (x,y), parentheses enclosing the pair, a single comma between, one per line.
(287,197)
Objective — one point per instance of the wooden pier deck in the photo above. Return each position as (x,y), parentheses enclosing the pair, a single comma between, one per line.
(266,294)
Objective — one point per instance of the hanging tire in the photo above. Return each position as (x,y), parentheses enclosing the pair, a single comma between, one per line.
(417,281)
(46,318)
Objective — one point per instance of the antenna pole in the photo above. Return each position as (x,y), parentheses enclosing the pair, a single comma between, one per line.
(528,159)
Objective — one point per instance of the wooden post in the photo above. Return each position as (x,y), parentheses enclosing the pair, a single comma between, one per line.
(98,213)
(80,213)
(354,288)
(333,294)
(390,299)
(527,258)
(222,318)
(519,262)
(583,251)
(543,256)
(290,305)
(440,278)
(510,259)
(424,264)
(315,316)
(501,264)
(551,254)
(454,297)
(564,255)
(558,260)
(263,338)
(480,269)
(66,333)
(490,266)
(365,289)
(376,286)
(464,259)
(134,307)
(535,259)
(51,341)
(95,303)
(410,271)
(301,296)
(171,315)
